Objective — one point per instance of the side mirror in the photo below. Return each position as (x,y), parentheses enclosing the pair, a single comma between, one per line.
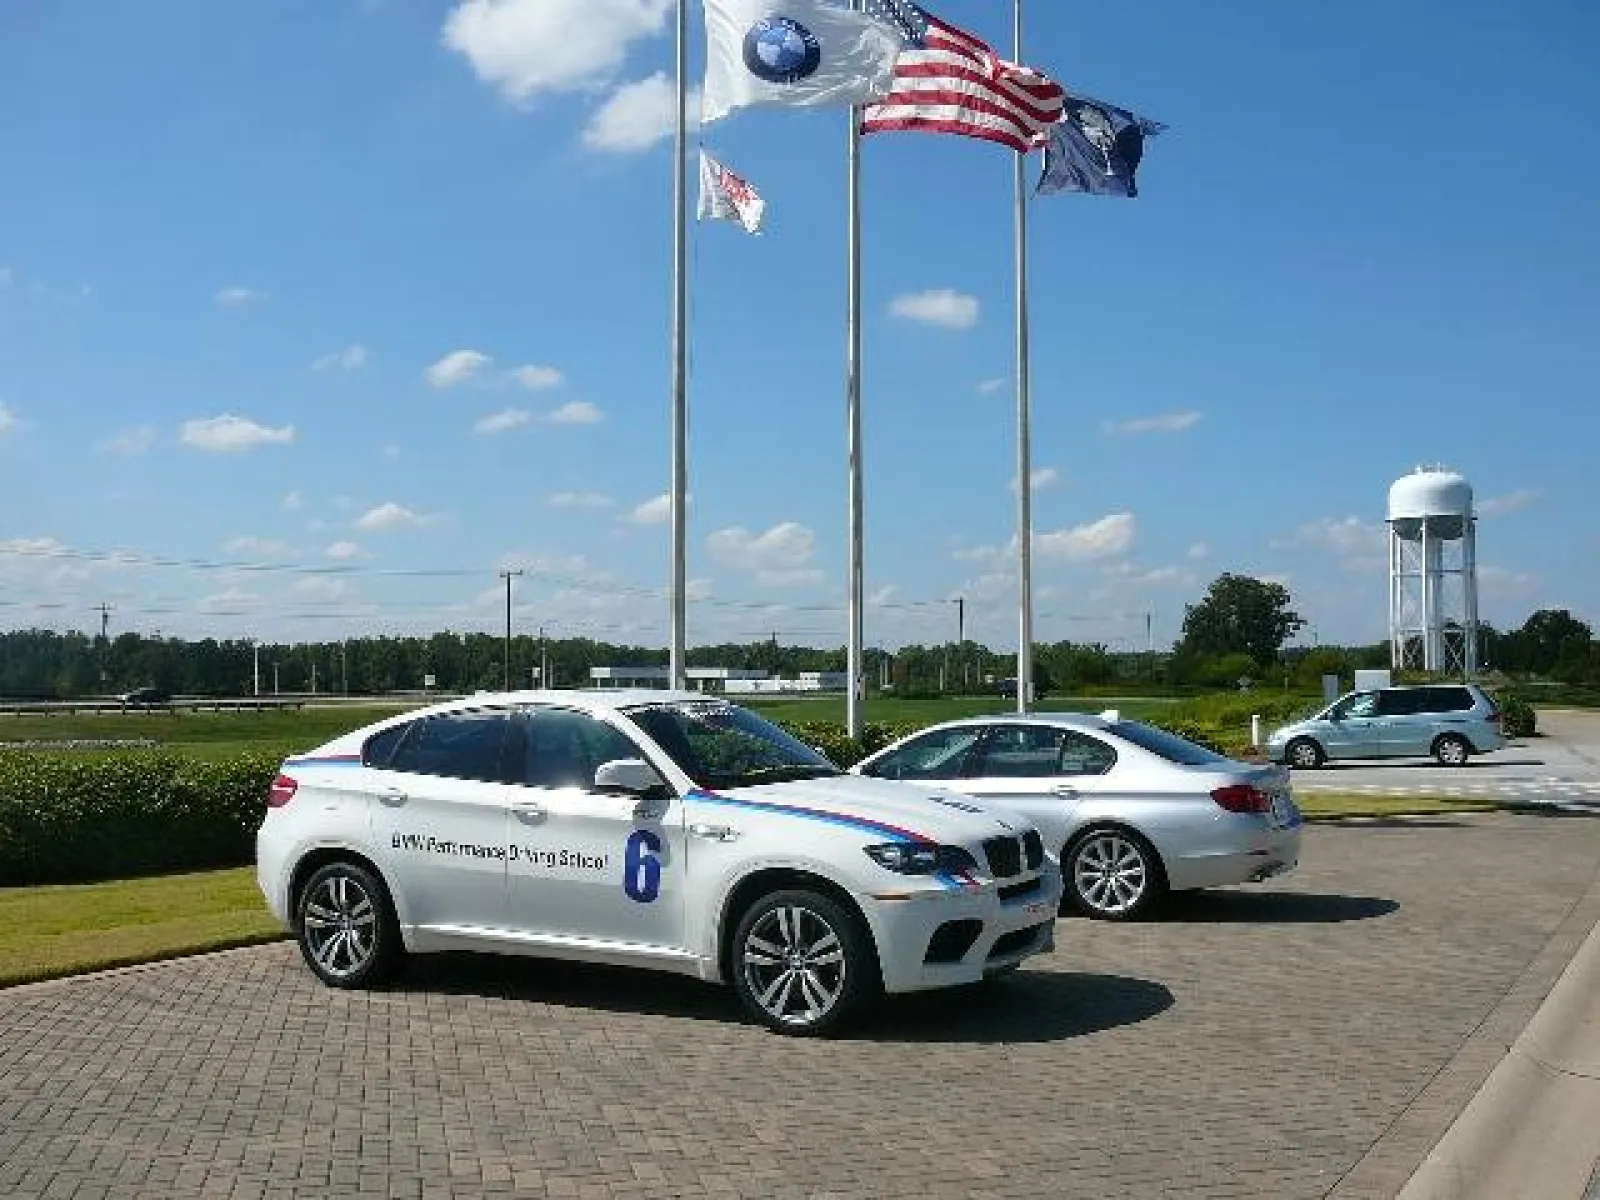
(631,776)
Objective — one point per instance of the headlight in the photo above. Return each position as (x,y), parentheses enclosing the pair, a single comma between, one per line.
(921,858)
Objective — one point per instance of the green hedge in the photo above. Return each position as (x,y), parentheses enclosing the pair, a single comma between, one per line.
(69,819)
(1517,715)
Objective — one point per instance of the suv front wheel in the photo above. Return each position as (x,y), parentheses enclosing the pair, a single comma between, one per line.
(802,963)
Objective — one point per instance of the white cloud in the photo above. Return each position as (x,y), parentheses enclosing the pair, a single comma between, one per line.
(536,378)
(982,554)
(238,297)
(779,553)
(638,115)
(342,551)
(1499,506)
(990,386)
(8,420)
(389,516)
(943,307)
(1198,551)
(351,358)
(1506,584)
(293,502)
(790,577)
(503,421)
(653,512)
(883,595)
(258,547)
(1043,477)
(1175,422)
(229,433)
(579,500)
(524,47)
(130,441)
(230,602)
(577,412)
(456,368)
(1346,536)
(320,588)
(1110,535)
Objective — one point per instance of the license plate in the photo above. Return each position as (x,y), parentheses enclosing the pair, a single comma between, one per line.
(1284,813)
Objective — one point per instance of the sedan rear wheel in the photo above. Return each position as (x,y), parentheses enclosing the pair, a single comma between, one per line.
(1114,874)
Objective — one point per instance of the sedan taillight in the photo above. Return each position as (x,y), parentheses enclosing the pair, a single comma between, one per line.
(282,791)
(1242,798)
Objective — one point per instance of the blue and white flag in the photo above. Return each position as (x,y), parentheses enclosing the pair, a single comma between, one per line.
(802,52)
(1096,148)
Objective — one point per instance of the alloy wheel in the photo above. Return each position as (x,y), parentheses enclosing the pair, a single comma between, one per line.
(1110,873)
(794,965)
(341,925)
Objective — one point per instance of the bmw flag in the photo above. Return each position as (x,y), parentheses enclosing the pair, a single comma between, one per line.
(805,52)
(1095,148)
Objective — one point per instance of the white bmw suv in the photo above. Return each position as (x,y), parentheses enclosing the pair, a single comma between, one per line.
(654,829)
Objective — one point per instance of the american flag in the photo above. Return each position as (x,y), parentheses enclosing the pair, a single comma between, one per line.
(947,81)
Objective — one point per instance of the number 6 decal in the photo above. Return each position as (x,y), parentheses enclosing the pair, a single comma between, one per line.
(641,877)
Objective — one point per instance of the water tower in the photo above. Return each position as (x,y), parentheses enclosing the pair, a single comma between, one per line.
(1433,574)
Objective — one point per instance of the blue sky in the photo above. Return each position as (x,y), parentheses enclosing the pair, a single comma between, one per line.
(316,314)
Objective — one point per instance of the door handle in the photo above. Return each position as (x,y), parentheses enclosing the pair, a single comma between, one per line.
(714,833)
(529,813)
(651,808)
(1065,791)
(392,797)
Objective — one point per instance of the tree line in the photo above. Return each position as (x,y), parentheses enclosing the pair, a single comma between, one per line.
(1239,630)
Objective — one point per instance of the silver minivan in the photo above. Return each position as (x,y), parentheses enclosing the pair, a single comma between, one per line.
(1451,721)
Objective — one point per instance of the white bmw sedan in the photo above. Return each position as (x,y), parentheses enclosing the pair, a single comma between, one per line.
(1132,811)
(651,829)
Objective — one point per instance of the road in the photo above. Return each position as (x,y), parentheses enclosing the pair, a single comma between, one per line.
(1310,1038)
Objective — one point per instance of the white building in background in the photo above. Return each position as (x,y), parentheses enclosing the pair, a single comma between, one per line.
(1433,573)
(701,679)
(806,683)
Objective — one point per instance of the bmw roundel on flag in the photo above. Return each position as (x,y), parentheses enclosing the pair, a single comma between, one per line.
(794,52)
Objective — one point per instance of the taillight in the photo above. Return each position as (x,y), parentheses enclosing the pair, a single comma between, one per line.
(1242,798)
(1494,718)
(282,791)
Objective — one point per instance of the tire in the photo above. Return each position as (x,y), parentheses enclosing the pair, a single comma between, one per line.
(802,963)
(1452,750)
(1113,874)
(346,927)
(1304,754)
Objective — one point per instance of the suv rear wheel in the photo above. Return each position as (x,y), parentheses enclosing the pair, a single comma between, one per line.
(802,963)
(347,930)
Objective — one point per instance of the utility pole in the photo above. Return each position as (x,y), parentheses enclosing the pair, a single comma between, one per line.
(961,638)
(508,576)
(255,665)
(544,661)
(104,610)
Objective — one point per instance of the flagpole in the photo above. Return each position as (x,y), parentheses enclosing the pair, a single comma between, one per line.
(854,652)
(1024,425)
(677,650)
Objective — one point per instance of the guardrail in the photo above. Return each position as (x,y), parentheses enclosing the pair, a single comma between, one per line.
(69,707)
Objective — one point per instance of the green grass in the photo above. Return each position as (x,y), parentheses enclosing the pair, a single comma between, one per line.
(48,932)
(204,735)
(1332,806)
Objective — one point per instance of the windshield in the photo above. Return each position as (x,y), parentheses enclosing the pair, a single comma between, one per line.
(1168,745)
(723,746)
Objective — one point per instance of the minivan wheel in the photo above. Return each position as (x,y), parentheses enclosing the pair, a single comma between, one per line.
(347,930)
(802,964)
(1113,874)
(1452,751)
(1304,754)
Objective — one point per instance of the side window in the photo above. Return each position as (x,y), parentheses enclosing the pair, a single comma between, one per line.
(1398,704)
(1450,699)
(1362,704)
(464,745)
(1020,752)
(561,749)
(942,754)
(380,746)
(1084,755)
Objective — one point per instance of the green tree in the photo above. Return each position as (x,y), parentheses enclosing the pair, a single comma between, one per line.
(1239,615)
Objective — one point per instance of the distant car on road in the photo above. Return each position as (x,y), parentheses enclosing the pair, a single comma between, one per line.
(146,697)
(1133,811)
(1451,722)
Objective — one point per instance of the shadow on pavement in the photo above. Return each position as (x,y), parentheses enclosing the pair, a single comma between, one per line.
(1401,821)
(1027,1006)
(1273,908)
(1419,764)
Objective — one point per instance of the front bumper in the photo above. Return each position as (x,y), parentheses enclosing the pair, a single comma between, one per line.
(982,933)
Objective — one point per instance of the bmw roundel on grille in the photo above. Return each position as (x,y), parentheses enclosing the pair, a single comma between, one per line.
(781,50)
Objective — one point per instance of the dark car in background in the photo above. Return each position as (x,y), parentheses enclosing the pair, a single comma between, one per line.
(145,697)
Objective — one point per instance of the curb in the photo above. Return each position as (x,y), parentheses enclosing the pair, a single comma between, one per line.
(1531,1129)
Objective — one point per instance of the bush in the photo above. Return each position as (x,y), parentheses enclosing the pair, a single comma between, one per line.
(70,820)
(1518,719)
(833,739)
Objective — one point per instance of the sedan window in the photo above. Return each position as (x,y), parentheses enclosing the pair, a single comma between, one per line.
(1168,745)
(940,754)
(1020,752)
(1084,755)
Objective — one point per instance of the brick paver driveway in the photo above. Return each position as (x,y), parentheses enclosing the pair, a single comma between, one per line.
(1310,1038)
